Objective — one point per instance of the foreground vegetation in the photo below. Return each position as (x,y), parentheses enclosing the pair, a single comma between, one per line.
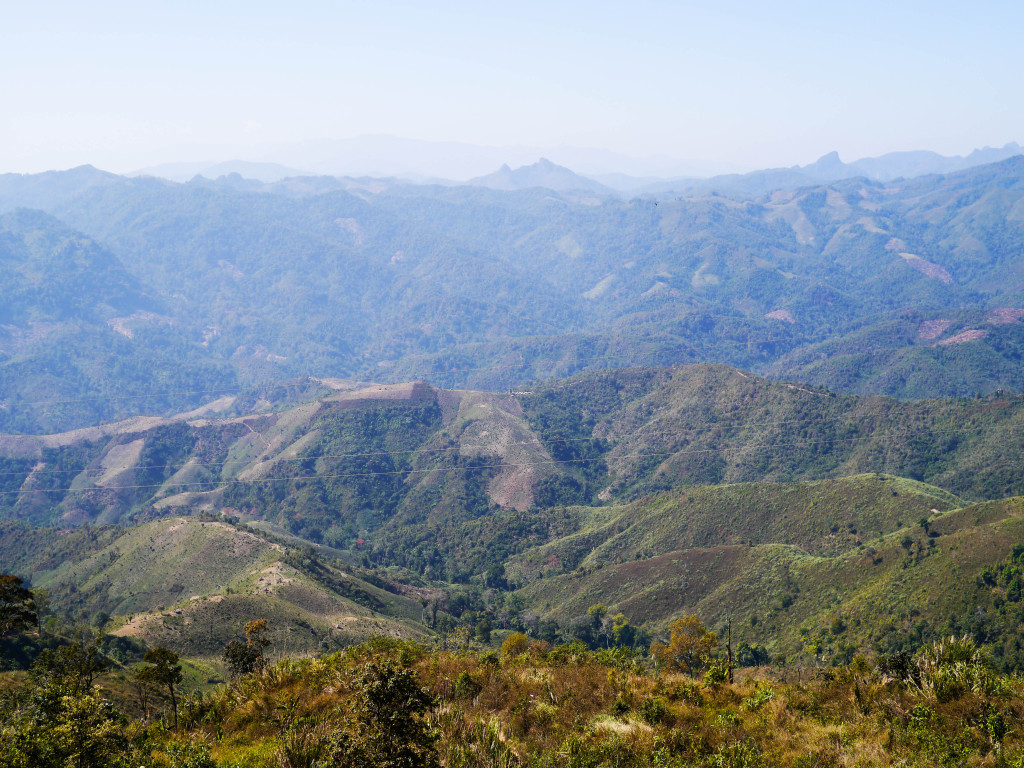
(395,703)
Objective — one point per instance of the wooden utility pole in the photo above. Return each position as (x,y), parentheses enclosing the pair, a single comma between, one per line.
(728,647)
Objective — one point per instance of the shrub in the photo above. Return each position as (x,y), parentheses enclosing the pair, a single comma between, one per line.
(465,686)
(717,674)
(620,707)
(762,695)
(515,645)
(654,710)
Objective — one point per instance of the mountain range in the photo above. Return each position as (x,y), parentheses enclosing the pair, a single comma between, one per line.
(909,288)
(451,162)
(405,408)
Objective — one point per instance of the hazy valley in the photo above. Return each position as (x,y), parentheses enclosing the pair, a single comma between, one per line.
(522,426)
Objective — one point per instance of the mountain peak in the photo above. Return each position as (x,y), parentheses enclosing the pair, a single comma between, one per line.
(542,173)
(828,160)
(826,167)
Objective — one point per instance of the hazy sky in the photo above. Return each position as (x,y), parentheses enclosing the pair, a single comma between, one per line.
(751,83)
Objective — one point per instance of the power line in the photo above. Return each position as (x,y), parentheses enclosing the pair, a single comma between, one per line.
(710,427)
(105,398)
(423,374)
(221,483)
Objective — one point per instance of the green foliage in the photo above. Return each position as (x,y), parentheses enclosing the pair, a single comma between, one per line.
(65,721)
(163,671)
(689,647)
(752,655)
(762,695)
(17,605)
(248,657)
(188,754)
(387,728)
(717,674)
(654,710)
(241,658)
(70,668)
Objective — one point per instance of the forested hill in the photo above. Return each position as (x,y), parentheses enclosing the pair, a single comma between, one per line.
(340,510)
(238,283)
(336,461)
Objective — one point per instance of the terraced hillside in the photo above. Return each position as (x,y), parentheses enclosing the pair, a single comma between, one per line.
(370,446)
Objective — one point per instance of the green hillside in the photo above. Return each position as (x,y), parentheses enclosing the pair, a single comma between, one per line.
(918,355)
(814,571)
(823,518)
(439,480)
(888,592)
(658,428)
(191,583)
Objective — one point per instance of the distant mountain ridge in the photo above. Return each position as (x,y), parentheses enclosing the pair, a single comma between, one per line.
(265,172)
(544,174)
(466,286)
(445,162)
(830,168)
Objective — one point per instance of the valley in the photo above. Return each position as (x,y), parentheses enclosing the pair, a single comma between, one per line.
(492,435)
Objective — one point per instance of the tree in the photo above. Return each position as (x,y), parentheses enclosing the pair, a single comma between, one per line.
(90,732)
(41,599)
(240,658)
(386,723)
(516,644)
(254,631)
(69,668)
(623,633)
(752,655)
(689,646)
(244,658)
(164,671)
(17,606)
(597,612)
(483,631)
(65,722)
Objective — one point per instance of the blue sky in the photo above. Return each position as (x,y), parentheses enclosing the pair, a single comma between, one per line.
(751,84)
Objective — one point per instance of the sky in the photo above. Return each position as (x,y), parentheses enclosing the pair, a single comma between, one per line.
(731,83)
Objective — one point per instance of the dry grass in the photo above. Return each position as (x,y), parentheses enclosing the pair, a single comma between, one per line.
(531,712)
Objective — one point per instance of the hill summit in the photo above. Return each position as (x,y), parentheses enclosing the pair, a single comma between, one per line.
(543,173)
